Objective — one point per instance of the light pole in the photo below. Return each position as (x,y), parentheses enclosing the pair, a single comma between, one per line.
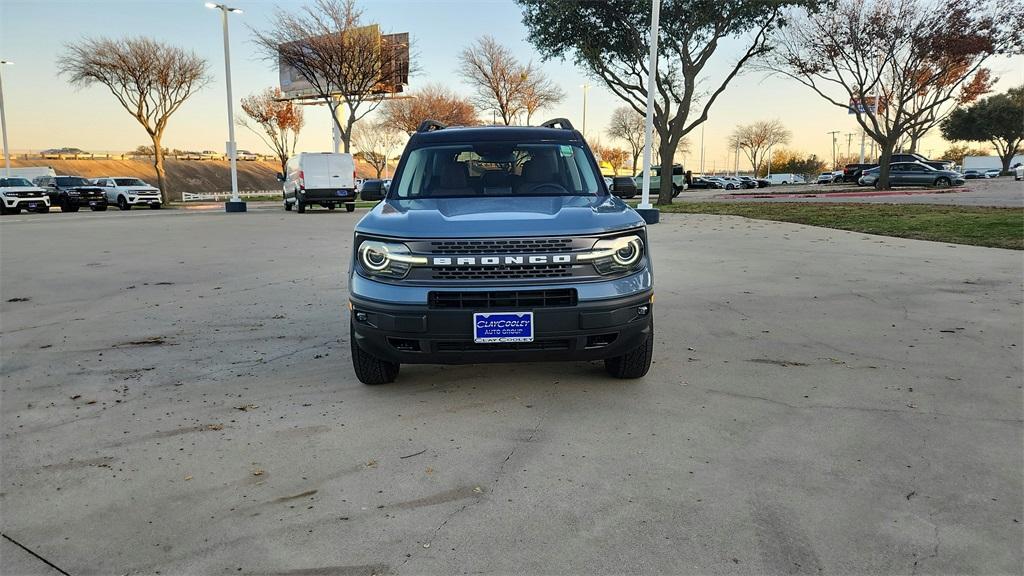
(3,121)
(649,213)
(833,133)
(235,204)
(585,87)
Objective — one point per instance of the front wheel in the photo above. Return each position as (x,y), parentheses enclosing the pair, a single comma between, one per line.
(287,206)
(635,363)
(350,207)
(331,206)
(300,206)
(676,190)
(100,208)
(68,206)
(43,209)
(369,369)
(14,210)
(122,203)
(943,182)
(155,206)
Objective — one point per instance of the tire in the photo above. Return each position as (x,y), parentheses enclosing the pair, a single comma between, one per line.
(155,206)
(369,369)
(68,206)
(122,203)
(331,207)
(287,206)
(943,182)
(635,363)
(5,210)
(300,206)
(100,208)
(350,207)
(43,209)
(676,190)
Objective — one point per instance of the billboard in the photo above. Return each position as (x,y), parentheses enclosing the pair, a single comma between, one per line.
(866,106)
(394,66)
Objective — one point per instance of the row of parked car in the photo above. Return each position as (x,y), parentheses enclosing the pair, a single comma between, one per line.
(72,193)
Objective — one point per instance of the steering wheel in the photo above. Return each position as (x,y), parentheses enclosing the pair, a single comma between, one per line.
(555,187)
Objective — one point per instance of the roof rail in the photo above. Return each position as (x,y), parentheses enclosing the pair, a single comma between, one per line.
(558,123)
(430,126)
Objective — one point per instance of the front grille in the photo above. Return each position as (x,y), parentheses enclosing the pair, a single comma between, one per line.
(504,299)
(501,246)
(512,272)
(470,346)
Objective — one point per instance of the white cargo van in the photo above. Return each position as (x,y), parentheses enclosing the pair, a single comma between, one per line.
(323,178)
(786,179)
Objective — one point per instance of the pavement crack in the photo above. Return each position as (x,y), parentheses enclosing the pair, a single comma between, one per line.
(29,550)
(934,554)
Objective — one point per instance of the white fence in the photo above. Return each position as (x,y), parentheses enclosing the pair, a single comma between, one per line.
(200,196)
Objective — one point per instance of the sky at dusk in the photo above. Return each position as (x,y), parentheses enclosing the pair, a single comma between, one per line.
(43,111)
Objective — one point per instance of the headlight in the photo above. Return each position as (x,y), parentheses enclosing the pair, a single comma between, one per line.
(386,259)
(614,255)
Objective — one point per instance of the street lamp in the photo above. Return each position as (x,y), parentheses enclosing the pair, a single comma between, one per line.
(649,213)
(3,121)
(235,204)
(585,87)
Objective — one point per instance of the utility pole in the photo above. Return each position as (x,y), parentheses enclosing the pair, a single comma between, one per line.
(649,213)
(3,122)
(833,133)
(849,140)
(702,148)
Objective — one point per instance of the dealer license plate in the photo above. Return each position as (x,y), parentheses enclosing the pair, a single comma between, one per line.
(502,327)
(342,192)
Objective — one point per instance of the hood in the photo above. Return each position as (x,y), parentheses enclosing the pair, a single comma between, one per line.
(498,216)
(16,189)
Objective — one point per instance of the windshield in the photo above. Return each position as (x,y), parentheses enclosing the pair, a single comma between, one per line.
(496,169)
(71,181)
(129,182)
(12,182)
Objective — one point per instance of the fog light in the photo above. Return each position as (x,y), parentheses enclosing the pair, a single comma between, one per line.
(642,310)
(361,316)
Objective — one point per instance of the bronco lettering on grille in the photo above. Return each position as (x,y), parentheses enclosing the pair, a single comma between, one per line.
(504,260)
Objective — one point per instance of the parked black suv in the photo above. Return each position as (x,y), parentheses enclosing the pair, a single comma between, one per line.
(72,193)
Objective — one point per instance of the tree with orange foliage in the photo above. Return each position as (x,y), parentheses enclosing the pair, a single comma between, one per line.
(281,122)
(433,102)
(917,58)
(617,157)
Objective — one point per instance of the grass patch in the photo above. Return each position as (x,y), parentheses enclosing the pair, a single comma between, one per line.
(978,226)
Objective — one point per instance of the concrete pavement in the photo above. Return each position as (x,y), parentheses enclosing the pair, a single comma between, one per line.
(177,398)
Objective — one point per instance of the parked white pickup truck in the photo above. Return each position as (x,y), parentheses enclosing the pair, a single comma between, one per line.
(127,192)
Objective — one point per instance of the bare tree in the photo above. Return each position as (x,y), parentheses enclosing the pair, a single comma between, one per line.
(328,44)
(756,139)
(539,92)
(149,78)
(280,120)
(377,144)
(627,124)
(914,57)
(979,85)
(497,77)
(434,102)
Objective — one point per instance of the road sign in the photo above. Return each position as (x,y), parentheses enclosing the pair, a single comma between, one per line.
(867,106)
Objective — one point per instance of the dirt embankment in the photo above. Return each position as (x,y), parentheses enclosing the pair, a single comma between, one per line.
(182,175)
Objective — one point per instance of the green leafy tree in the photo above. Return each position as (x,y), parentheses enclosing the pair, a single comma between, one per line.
(610,40)
(997,119)
(958,152)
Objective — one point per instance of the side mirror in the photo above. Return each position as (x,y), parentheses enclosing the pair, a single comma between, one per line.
(373,191)
(280,177)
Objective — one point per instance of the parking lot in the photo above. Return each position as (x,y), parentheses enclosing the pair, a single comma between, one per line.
(178,399)
(1002,192)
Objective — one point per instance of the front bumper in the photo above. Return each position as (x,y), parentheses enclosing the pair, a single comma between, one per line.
(419,334)
(142,200)
(88,201)
(26,202)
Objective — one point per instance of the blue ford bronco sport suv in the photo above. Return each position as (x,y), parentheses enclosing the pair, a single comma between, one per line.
(499,244)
